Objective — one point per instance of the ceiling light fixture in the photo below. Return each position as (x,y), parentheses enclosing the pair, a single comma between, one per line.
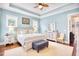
(41,6)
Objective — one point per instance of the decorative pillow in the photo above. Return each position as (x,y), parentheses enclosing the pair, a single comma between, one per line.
(22,31)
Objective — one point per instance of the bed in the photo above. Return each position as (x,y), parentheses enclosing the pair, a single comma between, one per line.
(26,39)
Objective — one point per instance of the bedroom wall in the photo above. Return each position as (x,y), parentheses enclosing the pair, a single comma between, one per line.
(4,28)
(0,23)
(61,21)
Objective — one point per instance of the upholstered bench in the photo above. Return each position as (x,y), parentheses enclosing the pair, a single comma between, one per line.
(40,44)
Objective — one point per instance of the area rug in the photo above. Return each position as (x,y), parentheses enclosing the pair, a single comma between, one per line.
(19,51)
(54,49)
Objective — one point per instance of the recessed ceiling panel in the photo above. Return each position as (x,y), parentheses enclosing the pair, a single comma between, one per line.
(30,7)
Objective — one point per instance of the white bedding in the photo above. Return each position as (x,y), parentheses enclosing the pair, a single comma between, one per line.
(21,38)
(26,39)
(32,35)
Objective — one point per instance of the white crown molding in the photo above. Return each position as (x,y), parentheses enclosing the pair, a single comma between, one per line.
(60,10)
(7,7)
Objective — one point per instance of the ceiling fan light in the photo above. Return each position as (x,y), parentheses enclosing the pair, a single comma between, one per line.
(40,6)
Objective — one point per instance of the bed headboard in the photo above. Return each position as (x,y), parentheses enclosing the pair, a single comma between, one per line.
(24,30)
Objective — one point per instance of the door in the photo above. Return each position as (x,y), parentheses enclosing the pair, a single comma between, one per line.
(74,27)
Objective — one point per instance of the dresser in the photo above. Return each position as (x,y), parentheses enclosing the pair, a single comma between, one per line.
(51,35)
(9,39)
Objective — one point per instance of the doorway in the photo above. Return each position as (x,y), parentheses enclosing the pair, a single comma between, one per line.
(74,28)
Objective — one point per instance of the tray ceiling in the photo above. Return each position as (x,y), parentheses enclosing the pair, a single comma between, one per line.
(30,7)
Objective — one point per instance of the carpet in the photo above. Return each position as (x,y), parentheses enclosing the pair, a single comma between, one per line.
(54,49)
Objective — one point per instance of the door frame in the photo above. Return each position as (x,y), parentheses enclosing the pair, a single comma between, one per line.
(69,18)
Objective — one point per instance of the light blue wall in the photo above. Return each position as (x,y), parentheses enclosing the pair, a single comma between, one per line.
(0,23)
(4,28)
(61,21)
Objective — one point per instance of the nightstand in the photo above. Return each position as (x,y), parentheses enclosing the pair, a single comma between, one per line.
(10,39)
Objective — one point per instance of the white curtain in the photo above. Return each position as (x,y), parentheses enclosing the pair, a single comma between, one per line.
(51,27)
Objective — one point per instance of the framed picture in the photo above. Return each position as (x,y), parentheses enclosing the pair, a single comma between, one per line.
(25,20)
(11,21)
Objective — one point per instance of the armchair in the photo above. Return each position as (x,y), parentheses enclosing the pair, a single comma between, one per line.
(61,38)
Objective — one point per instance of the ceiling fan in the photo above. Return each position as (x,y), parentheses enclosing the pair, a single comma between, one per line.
(41,6)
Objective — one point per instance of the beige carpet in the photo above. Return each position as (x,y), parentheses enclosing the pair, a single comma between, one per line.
(54,49)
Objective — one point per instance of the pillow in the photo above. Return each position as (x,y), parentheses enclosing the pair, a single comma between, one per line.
(22,31)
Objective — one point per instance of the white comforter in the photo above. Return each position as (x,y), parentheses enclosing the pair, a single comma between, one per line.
(24,39)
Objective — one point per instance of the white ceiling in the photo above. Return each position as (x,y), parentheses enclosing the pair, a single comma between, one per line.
(30,7)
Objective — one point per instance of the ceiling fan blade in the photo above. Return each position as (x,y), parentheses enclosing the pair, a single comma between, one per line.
(41,6)
(45,5)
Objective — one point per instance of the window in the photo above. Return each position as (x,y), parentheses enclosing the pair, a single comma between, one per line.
(51,27)
(35,26)
(11,20)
